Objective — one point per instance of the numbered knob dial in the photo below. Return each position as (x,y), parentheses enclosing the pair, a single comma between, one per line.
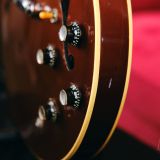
(71,97)
(48,112)
(47,56)
(72,34)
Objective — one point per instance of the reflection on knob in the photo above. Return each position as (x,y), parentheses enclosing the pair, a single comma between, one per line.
(48,112)
(72,34)
(71,97)
(47,56)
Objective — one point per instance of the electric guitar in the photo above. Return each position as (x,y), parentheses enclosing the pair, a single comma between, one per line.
(67,67)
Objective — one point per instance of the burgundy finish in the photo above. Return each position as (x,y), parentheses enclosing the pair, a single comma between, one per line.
(30,85)
(114,61)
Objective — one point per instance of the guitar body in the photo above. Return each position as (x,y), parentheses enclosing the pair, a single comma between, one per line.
(101,71)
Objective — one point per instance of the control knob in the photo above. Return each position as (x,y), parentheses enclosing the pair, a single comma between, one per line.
(47,112)
(71,97)
(47,56)
(72,34)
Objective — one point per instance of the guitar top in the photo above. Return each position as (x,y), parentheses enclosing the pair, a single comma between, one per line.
(67,67)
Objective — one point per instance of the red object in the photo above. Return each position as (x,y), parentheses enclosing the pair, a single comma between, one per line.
(140,5)
(141,116)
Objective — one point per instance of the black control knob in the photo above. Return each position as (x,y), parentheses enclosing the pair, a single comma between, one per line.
(71,97)
(72,34)
(47,56)
(48,112)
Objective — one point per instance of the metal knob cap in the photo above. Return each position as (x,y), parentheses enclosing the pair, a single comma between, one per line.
(72,34)
(47,56)
(71,97)
(48,112)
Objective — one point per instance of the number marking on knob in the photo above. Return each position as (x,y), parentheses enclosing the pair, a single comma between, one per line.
(72,34)
(47,56)
(71,97)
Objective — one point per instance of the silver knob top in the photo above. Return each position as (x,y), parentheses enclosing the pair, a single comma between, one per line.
(63,33)
(40,56)
(63,97)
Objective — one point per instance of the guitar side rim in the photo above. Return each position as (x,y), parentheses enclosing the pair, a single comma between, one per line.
(97,51)
(130,24)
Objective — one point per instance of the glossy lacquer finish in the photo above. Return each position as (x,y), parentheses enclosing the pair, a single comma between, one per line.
(30,85)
